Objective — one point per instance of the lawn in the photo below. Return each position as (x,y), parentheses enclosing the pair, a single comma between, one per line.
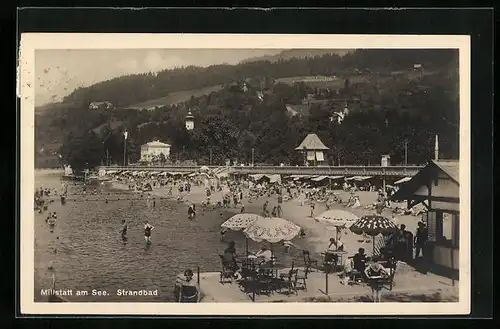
(174,98)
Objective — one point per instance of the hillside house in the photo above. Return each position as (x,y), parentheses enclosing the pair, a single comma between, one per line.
(302,110)
(153,150)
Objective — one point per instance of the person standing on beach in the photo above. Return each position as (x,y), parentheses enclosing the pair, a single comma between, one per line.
(313,205)
(420,240)
(147,231)
(279,210)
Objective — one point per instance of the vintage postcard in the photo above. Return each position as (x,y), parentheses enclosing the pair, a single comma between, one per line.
(246,174)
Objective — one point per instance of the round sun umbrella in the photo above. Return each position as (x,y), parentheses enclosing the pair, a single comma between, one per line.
(373,225)
(272,229)
(204,168)
(239,222)
(338,219)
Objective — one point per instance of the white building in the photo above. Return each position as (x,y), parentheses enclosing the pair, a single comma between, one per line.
(189,121)
(151,151)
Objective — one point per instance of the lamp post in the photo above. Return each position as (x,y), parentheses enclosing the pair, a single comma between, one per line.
(305,156)
(125,135)
(210,156)
(406,152)
(253,156)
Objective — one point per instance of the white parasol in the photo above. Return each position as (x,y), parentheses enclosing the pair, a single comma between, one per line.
(240,221)
(272,229)
(338,218)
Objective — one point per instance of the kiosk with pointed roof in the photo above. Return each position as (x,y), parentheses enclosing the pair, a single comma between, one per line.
(314,150)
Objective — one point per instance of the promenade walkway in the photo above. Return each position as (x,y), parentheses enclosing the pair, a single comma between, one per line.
(409,284)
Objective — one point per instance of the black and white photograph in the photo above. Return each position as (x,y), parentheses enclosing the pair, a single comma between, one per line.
(245,169)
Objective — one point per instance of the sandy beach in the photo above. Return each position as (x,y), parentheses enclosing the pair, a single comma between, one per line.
(317,234)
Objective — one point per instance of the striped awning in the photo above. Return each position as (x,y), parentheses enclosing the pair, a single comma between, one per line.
(359,178)
(319,178)
(362,178)
(402,180)
(335,177)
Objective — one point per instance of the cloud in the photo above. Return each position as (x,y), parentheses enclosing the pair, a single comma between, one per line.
(155,62)
(128,65)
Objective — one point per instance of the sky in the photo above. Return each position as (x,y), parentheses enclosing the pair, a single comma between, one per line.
(59,72)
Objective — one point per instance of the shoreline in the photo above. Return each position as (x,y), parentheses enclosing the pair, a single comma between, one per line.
(317,234)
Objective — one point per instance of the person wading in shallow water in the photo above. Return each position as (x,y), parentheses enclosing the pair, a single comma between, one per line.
(124,230)
(147,231)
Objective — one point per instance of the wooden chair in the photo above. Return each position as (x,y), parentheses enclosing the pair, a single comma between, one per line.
(284,276)
(302,276)
(264,284)
(308,262)
(291,281)
(391,266)
(227,271)
(330,262)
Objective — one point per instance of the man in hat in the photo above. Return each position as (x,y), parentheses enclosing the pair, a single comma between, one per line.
(420,239)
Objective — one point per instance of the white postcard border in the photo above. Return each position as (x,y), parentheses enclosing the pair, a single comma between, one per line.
(26,72)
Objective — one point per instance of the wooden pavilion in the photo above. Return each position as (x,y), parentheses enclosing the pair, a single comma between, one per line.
(314,150)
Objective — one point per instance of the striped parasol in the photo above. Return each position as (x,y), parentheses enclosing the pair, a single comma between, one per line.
(373,225)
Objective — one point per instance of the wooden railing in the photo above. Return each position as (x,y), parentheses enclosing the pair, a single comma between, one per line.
(286,170)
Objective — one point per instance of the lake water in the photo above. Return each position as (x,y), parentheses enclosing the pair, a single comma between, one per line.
(90,253)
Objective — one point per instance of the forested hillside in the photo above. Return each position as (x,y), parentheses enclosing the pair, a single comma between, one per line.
(389,103)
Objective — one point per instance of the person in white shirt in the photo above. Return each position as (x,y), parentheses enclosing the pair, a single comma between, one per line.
(265,254)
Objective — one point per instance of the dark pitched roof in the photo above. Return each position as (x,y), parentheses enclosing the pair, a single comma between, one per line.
(429,172)
(450,167)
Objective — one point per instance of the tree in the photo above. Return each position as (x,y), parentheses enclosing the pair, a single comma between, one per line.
(162,158)
(83,152)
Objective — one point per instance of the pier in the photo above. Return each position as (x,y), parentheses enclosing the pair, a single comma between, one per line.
(379,171)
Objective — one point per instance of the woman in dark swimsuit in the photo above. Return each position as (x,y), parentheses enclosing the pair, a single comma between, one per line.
(147,231)
(375,274)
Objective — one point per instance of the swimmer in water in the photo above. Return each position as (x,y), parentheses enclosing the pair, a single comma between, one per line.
(191,212)
(147,231)
(52,222)
(124,230)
